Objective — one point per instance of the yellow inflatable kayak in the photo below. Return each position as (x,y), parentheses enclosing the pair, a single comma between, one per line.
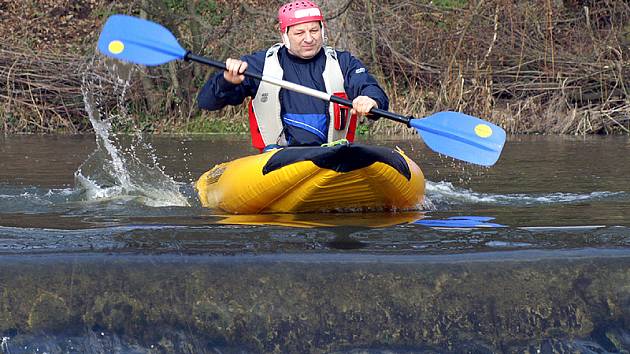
(347,177)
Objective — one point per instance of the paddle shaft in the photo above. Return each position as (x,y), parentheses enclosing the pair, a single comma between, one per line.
(452,134)
(301,89)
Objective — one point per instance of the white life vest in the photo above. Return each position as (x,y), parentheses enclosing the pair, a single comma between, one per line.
(265,117)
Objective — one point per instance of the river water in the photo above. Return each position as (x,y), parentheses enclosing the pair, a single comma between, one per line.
(103,245)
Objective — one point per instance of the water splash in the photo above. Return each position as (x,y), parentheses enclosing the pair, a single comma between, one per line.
(4,345)
(444,193)
(121,167)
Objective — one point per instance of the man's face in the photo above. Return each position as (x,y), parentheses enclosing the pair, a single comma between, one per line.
(305,39)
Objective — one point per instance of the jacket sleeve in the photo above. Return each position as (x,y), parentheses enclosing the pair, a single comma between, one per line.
(359,82)
(218,92)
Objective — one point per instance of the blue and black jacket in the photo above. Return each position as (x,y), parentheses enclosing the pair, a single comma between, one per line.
(217,92)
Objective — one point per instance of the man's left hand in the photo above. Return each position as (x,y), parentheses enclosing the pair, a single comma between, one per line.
(362,105)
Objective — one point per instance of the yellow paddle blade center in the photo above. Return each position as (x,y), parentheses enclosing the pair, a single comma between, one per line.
(116,47)
(483,130)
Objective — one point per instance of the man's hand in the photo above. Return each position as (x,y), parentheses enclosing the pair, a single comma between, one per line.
(362,105)
(235,70)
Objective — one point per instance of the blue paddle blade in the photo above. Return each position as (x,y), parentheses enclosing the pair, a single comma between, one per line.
(462,137)
(138,41)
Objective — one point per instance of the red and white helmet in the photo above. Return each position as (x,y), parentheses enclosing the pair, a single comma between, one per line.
(297,12)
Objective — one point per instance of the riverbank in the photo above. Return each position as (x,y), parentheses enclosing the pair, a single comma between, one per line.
(538,66)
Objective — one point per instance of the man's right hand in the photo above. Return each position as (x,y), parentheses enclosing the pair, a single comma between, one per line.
(235,70)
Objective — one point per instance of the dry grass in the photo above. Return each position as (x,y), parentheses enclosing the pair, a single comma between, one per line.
(536,66)
(40,92)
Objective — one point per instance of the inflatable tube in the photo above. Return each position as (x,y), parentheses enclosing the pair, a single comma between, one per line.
(348,177)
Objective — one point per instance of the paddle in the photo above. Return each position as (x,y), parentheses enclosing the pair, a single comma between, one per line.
(453,134)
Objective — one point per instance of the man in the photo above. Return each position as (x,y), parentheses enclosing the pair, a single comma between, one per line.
(282,117)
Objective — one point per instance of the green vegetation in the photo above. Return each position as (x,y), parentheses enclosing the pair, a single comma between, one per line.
(450,4)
